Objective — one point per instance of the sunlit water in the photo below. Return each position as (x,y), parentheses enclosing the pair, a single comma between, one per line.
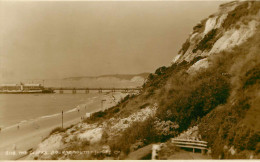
(19,108)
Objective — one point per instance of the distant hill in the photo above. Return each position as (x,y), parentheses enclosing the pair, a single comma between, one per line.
(119,76)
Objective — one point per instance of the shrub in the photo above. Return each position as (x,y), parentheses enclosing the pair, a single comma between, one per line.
(167,150)
(235,15)
(102,114)
(207,42)
(185,46)
(224,126)
(240,11)
(166,129)
(150,92)
(196,59)
(160,70)
(144,105)
(200,27)
(116,110)
(150,77)
(192,98)
(252,77)
(123,100)
(57,130)
(138,131)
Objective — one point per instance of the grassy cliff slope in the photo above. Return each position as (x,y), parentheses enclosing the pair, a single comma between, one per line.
(213,83)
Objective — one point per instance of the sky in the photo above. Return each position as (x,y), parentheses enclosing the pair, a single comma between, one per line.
(54,40)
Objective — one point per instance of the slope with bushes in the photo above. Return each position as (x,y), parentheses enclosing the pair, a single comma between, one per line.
(213,84)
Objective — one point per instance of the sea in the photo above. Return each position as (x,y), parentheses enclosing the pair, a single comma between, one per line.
(20,108)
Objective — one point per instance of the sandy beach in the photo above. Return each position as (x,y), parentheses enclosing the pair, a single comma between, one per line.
(14,142)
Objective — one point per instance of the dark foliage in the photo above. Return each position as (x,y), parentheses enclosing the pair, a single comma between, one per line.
(157,80)
(193,99)
(144,105)
(252,77)
(57,130)
(143,131)
(235,15)
(185,47)
(207,42)
(160,70)
(196,59)
(221,127)
(102,114)
(200,26)
(240,11)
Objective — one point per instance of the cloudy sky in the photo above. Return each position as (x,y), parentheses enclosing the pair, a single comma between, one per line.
(52,40)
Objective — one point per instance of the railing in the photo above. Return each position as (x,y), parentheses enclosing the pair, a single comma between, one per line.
(85,88)
(74,90)
(194,144)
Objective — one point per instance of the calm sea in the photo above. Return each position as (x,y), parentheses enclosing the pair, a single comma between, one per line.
(19,108)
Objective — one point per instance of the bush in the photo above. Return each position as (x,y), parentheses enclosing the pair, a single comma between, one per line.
(139,131)
(224,126)
(167,150)
(200,27)
(160,70)
(240,11)
(57,130)
(150,77)
(192,98)
(98,114)
(235,15)
(144,105)
(166,129)
(102,114)
(221,127)
(185,47)
(207,42)
(123,100)
(163,74)
(252,77)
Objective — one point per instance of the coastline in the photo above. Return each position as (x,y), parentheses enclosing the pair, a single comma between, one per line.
(14,141)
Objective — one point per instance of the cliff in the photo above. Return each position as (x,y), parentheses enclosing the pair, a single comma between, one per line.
(210,92)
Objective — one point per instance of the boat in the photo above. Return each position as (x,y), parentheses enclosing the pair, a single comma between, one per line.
(24,88)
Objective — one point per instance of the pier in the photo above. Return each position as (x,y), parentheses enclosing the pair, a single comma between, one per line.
(99,90)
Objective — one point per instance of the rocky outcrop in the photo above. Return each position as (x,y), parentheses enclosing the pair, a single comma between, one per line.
(231,26)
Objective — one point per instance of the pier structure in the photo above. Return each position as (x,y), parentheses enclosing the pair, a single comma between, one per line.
(99,90)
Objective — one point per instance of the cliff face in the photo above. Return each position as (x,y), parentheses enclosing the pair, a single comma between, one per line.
(231,26)
(212,87)
(228,43)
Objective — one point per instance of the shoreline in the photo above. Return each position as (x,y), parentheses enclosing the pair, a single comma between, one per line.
(30,134)
(7,124)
